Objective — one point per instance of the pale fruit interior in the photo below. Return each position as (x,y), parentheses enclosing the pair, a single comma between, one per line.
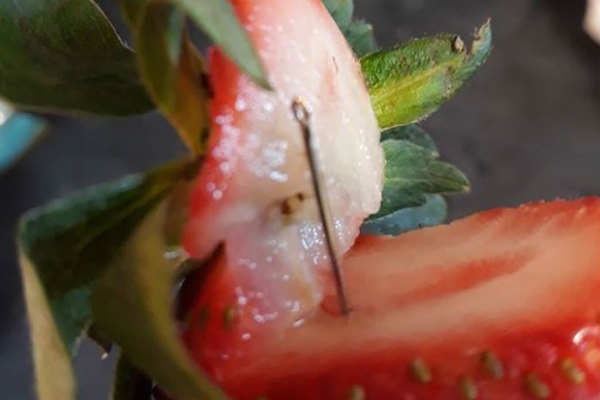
(257,193)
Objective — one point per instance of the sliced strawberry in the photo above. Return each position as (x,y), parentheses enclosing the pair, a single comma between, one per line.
(254,192)
(502,305)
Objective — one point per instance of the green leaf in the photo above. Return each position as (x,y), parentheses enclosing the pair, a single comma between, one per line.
(139,287)
(173,72)
(361,38)
(130,383)
(359,34)
(341,11)
(414,134)
(411,173)
(218,20)
(413,80)
(64,247)
(65,55)
(433,212)
(171,67)
(50,354)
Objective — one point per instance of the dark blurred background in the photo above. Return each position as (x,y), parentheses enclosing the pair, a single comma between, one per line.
(526,128)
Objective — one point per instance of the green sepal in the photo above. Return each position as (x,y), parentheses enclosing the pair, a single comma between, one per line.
(173,72)
(139,287)
(360,37)
(411,173)
(413,133)
(64,248)
(171,67)
(64,55)
(218,20)
(413,80)
(341,11)
(359,34)
(433,212)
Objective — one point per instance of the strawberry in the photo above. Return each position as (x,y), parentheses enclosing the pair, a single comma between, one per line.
(499,305)
(254,192)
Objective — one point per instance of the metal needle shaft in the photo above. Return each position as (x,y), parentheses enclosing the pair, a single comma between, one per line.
(302,115)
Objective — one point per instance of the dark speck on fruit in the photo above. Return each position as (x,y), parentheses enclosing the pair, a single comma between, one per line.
(292,204)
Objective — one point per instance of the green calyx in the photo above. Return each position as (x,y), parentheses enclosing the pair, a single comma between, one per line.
(413,184)
(92,259)
(411,173)
(413,80)
(65,56)
(358,33)
(406,85)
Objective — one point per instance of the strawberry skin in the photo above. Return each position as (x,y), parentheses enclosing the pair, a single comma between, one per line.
(500,305)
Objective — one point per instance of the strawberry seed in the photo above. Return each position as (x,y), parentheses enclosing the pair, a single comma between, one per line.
(571,371)
(468,389)
(229,318)
(420,370)
(492,365)
(357,392)
(536,387)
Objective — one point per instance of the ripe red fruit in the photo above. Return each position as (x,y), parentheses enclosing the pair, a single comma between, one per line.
(500,305)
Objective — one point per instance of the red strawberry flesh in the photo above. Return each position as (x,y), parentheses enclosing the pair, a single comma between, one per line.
(523,283)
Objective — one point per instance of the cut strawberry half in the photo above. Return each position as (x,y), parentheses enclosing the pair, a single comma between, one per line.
(254,191)
(500,305)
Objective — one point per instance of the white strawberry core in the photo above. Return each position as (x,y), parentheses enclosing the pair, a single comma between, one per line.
(261,159)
